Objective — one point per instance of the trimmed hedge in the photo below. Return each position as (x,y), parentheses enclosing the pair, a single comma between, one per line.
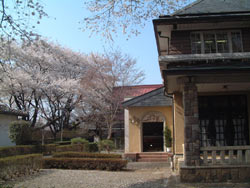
(17,150)
(85,155)
(85,163)
(19,165)
(47,149)
(73,147)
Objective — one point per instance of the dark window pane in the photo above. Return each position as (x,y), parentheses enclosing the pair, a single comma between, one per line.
(209,43)
(196,43)
(222,43)
(221,122)
(236,42)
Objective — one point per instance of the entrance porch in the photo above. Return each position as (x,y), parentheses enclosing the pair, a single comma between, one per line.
(216,132)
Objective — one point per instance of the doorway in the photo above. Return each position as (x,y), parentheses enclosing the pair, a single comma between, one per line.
(152,137)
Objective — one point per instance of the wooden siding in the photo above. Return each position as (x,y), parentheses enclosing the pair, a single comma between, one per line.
(246,39)
(180,43)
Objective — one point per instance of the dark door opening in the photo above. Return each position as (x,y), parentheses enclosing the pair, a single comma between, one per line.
(152,137)
(223,120)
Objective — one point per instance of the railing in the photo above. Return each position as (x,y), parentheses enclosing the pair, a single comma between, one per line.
(225,155)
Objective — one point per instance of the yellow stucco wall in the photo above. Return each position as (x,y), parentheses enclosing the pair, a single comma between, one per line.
(135,142)
(179,123)
(135,134)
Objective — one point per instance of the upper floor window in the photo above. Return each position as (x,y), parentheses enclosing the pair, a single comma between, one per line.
(216,42)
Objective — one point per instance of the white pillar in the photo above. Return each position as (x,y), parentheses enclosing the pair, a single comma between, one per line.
(126,130)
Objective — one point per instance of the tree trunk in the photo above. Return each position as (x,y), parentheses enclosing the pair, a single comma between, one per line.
(109,132)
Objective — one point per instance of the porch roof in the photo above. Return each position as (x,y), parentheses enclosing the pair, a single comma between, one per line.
(153,98)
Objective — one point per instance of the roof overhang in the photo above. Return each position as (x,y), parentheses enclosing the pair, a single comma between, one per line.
(194,18)
(210,76)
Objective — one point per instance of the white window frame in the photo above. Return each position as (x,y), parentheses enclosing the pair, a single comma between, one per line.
(229,35)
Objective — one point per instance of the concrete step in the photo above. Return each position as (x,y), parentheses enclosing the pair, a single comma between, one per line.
(153,157)
(152,160)
(153,153)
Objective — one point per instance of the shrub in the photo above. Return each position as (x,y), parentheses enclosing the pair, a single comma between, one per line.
(79,141)
(19,165)
(74,147)
(85,155)
(106,145)
(85,163)
(20,132)
(168,137)
(17,150)
(93,147)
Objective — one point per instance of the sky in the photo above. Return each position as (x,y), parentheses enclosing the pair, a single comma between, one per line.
(63,27)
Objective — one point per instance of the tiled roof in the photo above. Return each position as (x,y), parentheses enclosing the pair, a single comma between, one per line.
(214,6)
(6,110)
(133,91)
(153,98)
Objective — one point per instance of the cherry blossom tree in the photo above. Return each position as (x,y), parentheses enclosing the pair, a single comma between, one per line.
(108,17)
(43,79)
(64,87)
(19,18)
(104,89)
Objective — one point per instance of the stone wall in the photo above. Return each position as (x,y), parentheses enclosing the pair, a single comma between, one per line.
(191,127)
(215,174)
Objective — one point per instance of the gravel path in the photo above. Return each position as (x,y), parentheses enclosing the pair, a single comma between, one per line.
(138,175)
(146,178)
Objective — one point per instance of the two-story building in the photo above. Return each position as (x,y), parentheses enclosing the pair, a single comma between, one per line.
(204,58)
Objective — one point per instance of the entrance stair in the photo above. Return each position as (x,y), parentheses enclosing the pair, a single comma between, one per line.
(154,157)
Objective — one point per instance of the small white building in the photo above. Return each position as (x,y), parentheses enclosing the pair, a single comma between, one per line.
(8,115)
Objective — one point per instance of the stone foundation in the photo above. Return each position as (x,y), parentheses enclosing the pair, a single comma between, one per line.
(178,161)
(215,174)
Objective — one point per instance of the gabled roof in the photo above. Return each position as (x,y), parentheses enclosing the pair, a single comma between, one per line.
(152,98)
(215,7)
(6,110)
(137,90)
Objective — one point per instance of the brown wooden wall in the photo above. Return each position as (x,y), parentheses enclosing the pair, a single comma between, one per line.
(180,43)
(246,39)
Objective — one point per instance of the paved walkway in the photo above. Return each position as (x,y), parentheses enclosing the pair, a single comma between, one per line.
(138,175)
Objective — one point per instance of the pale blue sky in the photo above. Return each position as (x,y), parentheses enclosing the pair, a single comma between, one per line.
(63,28)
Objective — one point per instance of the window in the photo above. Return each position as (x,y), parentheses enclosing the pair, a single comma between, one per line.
(209,43)
(196,43)
(223,120)
(236,42)
(222,43)
(216,42)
